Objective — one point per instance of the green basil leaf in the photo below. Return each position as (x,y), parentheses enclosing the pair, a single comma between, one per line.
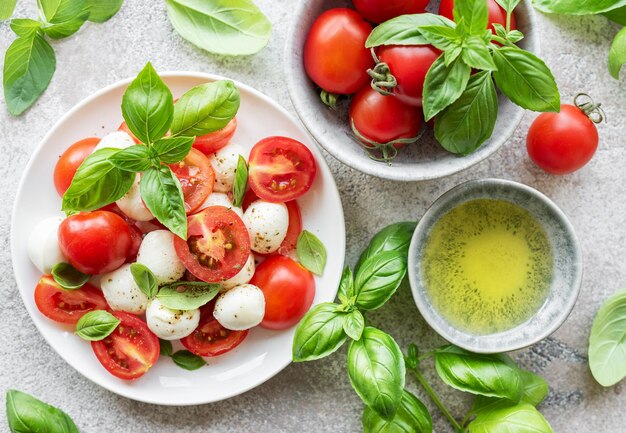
(29,64)
(394,237)
(473,14)
(165,347)
(193,296)
(241,182)
(412,417)
(353,324)
(617,15)
(442,37)
(6,9)
(444,85)
(535,388)
(97,183)
(187,360)
(378,279)
(617,54)
(148,106)
(508,5)
(346,286)
(68,277)
(514,36)
(578,7)
(521,418)
(450,55)
(487,375)
(311,252)
(607,345)
(376,370)
(66,28)
(24,27)
(26,414)
(469,121)
(134,158)
(173,149)
(526,80)
(206,108)
(231,27)
(59,11)
(96,325)
(163,196)
(405,30)
(145,280)
(319,333)
(103,10)
(476,54)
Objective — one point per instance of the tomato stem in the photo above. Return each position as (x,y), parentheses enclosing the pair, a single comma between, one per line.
(587,105)
(383,80)
(329,99)
(388,150)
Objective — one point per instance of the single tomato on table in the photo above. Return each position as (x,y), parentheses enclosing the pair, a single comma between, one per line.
(67,306)
(378,11)
(69,162)
(497,15)
(196,176)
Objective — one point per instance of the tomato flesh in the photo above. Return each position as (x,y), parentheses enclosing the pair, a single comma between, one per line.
(69,162)
(210,338)
(497,15)
(66,306)
(196,177)
(214,141)
(378,11)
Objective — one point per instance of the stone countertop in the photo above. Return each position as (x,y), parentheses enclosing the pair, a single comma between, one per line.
(317,397)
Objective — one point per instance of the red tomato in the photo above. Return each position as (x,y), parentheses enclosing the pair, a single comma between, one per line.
(335,57)
(564,142)
(214,141)
(210,338)
(124,127)
(280,169)
(378,11)
(95,242)
(130,351)
(497,15)
(196,177)
(66,306)
(69,162)
(136,236)
(218,245)
(289,290)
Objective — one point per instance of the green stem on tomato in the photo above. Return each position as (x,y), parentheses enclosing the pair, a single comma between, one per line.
(508,21)
(435,398)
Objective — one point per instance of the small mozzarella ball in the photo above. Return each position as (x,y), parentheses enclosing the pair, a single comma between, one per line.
(244,276)
(171,324)
(116,140)
(224,163)
(121,291)
(242,307)
(158,254)
(132,204)
(267,225)
(43,244)
(221,199)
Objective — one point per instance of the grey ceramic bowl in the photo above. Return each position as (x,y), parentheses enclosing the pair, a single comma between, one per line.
(420,161)
(566,280)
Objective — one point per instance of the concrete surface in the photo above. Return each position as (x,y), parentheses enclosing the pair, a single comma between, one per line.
(317,397)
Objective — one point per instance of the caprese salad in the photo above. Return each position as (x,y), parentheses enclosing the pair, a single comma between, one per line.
(131,273)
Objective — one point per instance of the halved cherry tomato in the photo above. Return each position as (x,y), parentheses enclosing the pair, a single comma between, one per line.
(66,306)
(218,244)
(130,351)
(211,143)
(249,198)
(196,177)
(124,128)
(497,15)
(280,169)
(69,162)
(378,11)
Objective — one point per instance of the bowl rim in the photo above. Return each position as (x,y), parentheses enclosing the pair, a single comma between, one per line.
(421,299)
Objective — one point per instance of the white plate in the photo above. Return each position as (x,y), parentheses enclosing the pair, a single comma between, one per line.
(264,353)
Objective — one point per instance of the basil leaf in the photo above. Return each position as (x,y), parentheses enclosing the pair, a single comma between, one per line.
(469,121)
(441,37)
(173,149)
(6,9)
(444,85)
(319,333)
(578,7)
(378,279)
(205,108)
(412,417)
(535,388)
(405,30)
(231,27)
(514,36)
(394,237)
(148,106)
(96,325)
(163,196)
(473,16)
(187,296)
(617,54)
(376,371)
(134,158)
(145,280)
(165,347)
(97,183)
(346,286)
(476,54)
(521,418)
(103,10)
(607,346)
(241,182)
(187,360)
(68,277)
(29,64)
(353,324)
(24,27)
(487,375)
(58,11)
(26,414)
(508,5)
(617,15)
(311,252)
(66,28)
(526,80)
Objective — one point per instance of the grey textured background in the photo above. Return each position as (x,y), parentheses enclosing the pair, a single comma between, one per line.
(317,397)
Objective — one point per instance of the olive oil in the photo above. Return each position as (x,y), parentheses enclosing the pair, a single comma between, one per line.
(487,266)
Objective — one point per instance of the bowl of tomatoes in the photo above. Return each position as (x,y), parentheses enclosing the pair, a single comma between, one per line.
(376,124)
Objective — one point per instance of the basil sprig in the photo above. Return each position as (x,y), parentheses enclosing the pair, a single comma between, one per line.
(96,325)
(26,414)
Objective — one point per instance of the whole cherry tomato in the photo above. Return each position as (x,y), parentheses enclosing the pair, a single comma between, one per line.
(497,15)
(378,11)
(69,162)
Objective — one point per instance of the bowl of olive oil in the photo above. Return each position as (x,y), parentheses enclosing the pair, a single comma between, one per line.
(494,266)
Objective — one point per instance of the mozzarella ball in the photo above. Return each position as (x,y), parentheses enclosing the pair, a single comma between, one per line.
(43,244)
(116,140)
(132,204)
(242,307)
(121,291)
(221,199)
(171,324)
(244,276)
(158,254)
(224,163)
(267,225)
